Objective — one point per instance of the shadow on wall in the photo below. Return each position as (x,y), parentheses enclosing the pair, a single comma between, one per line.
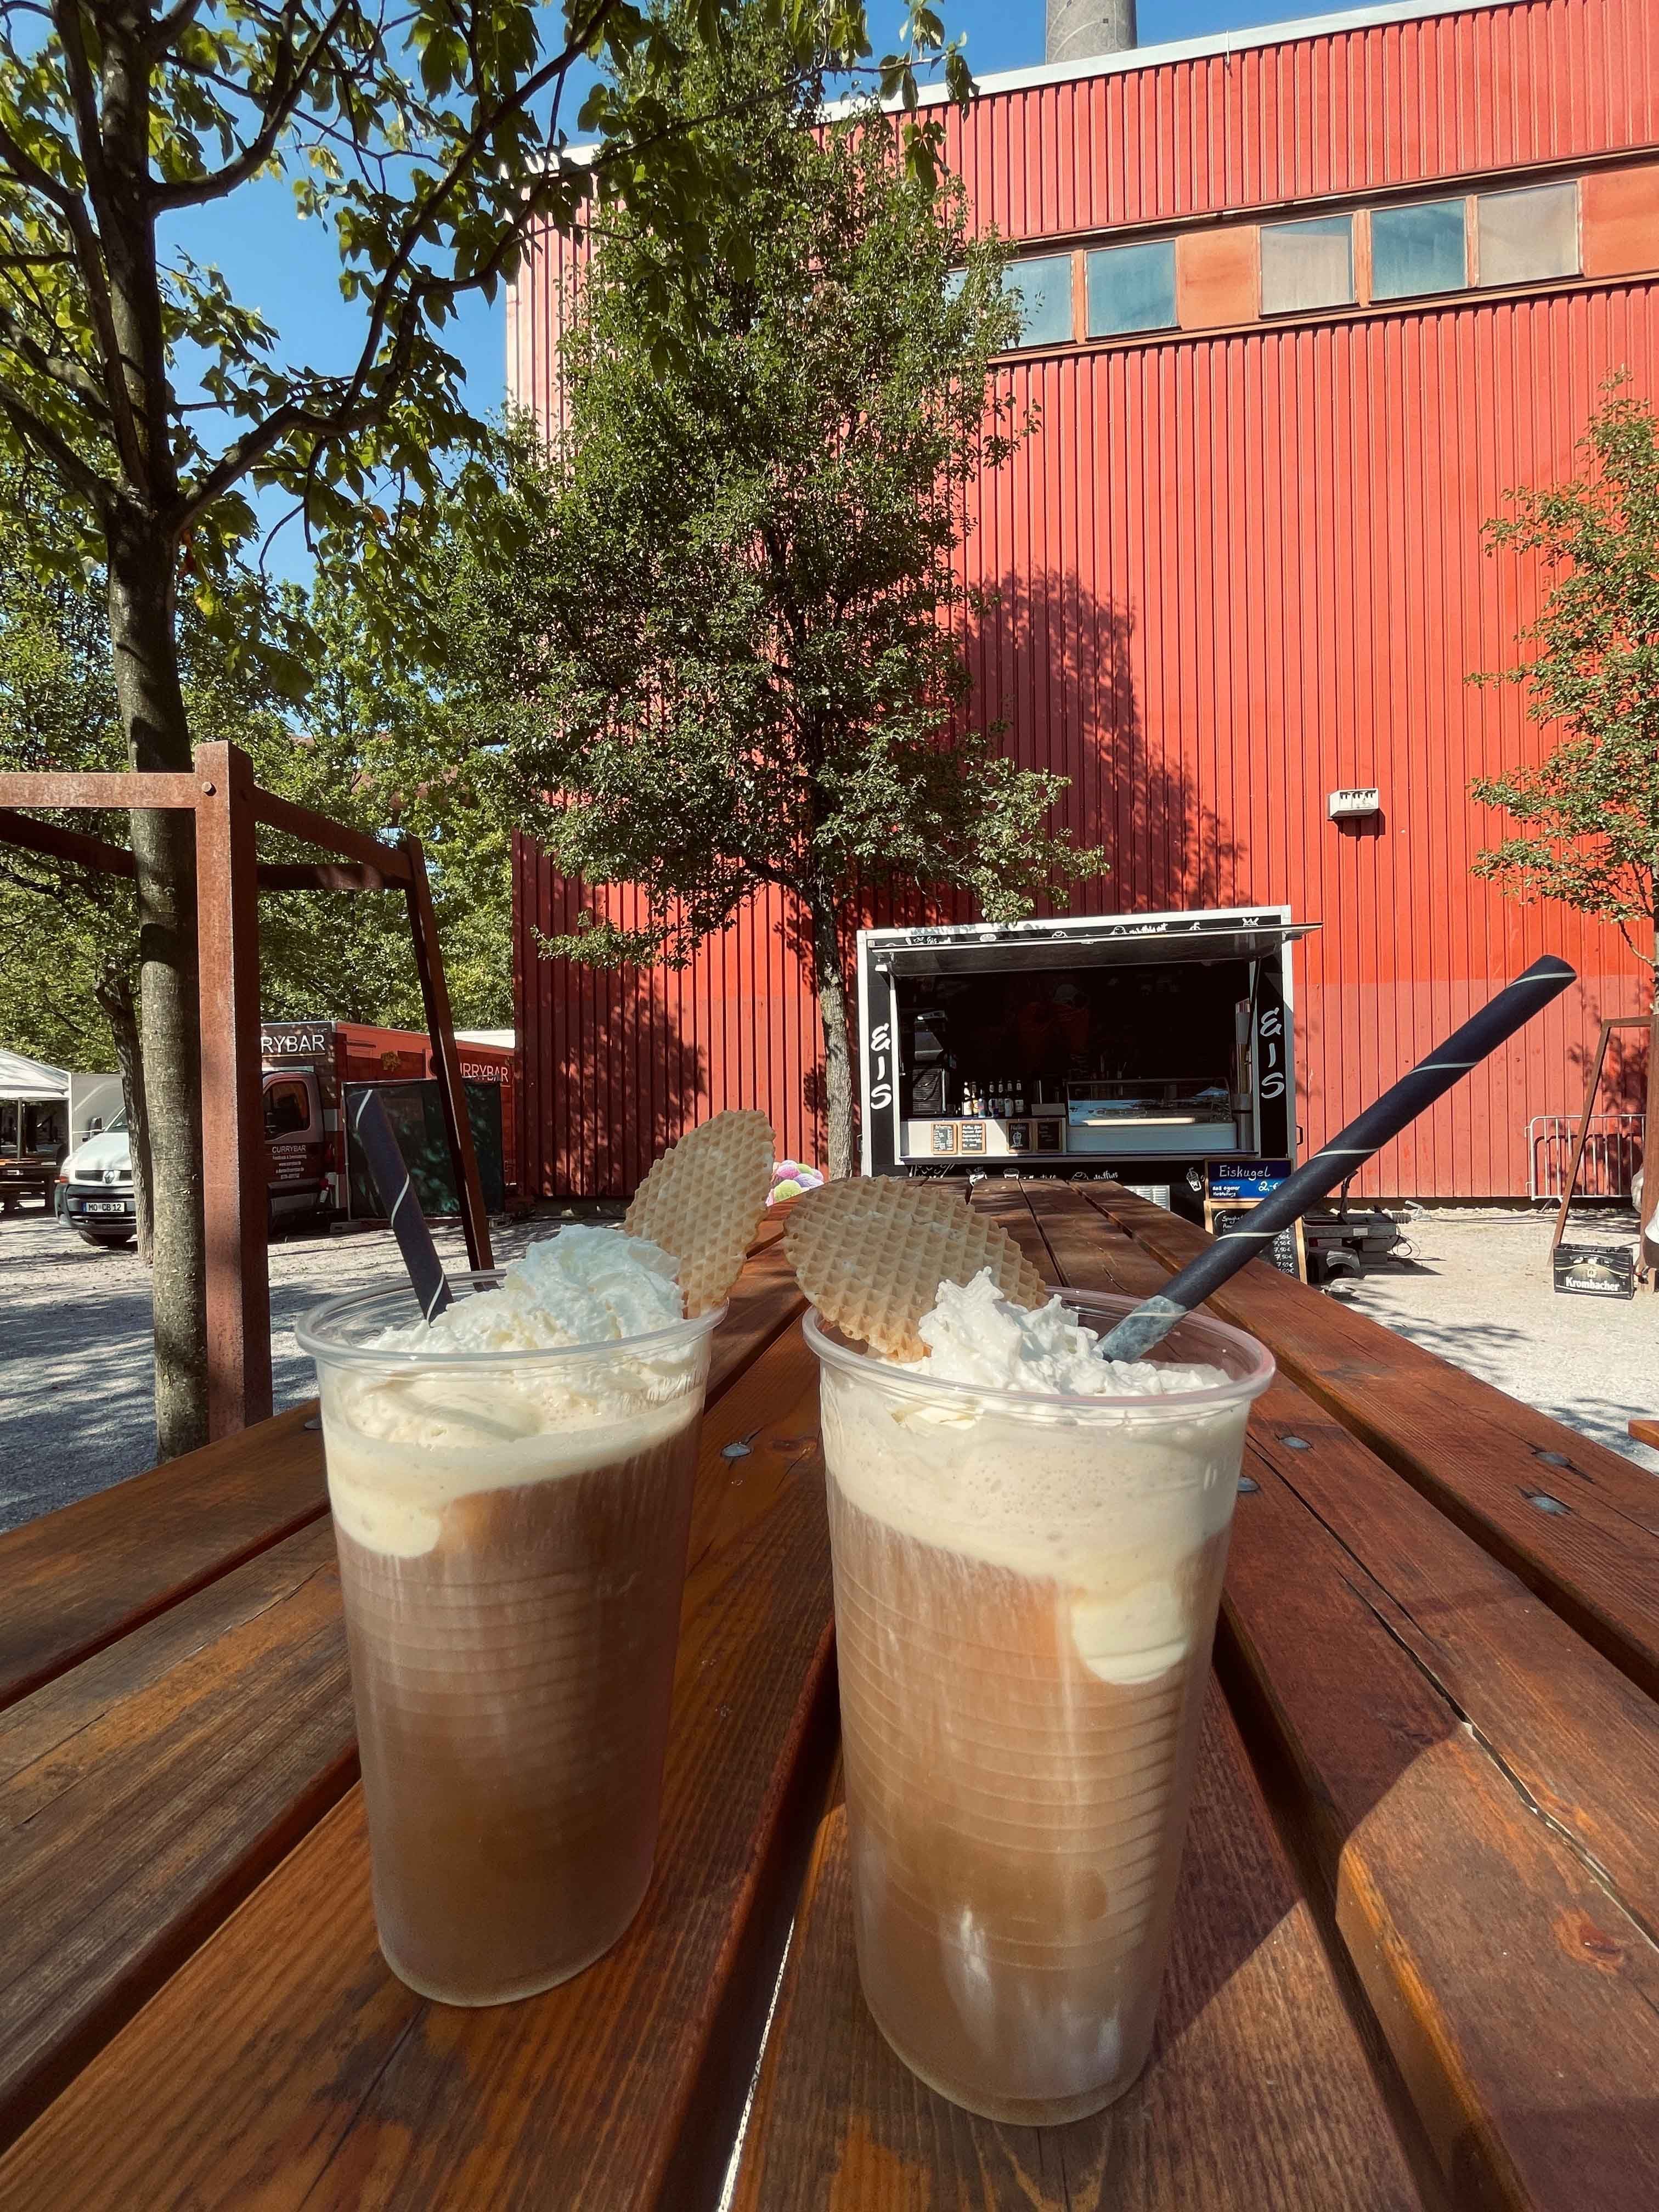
(626,1080)
(636,1056)
(1624,1084)
(1057,666)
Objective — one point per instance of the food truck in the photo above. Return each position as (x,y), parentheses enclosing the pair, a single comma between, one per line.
(314,1072)
(1148,1047)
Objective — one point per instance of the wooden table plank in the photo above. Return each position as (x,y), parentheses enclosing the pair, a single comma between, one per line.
(78,1579)
(283,2063)
(1458,1759)
(149,1790)
(1481,1457)
(1520,1998)
(144,1792)
(1258,2092)
(765,1300)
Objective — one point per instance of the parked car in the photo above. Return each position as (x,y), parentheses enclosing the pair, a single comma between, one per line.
(94,1191)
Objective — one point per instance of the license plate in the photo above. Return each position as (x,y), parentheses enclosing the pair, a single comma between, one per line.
(105,1205)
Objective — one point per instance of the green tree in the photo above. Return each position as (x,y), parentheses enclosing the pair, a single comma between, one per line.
(376,745)
(730,640)
(1589,811)
(68,935)
(381,743)
(427,141)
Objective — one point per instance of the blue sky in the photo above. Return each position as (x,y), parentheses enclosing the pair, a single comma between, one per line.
(285,268)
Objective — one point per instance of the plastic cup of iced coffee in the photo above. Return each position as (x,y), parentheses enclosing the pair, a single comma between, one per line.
(1029,1544)
(512,1496)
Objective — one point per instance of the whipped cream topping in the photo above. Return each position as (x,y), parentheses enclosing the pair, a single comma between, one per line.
(581,1286)
(973,1336)
(404,1442)
(1106,1494)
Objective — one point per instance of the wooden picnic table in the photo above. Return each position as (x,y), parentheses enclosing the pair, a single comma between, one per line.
(1414,1960)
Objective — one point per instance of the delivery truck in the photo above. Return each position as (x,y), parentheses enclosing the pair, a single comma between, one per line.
(1142,1046)
(313,1072)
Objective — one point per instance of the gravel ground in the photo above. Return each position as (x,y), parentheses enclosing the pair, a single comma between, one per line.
(75,1386)
(1478,1290)
(76,1373)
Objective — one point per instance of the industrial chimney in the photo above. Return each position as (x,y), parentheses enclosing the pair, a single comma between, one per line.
(1080,29)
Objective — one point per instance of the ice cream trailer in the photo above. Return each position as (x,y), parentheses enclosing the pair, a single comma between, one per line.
(1142,1046)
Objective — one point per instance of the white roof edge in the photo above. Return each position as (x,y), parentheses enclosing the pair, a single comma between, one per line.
(967,933)
(1243,40)
(1246,40)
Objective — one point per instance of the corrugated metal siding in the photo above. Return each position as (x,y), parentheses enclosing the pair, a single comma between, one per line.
(1386,103)
(618,1064)
(1235,573)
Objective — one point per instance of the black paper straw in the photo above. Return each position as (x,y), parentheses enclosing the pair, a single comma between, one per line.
(390,1172)
(1479,1036)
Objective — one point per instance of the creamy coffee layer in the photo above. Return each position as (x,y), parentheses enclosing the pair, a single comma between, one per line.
(436,1423)
(1110,1493)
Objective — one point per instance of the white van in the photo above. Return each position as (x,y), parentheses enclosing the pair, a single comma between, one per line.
(95,1188)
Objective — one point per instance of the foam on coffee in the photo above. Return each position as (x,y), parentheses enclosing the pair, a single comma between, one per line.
(404,1442)
(1083,1491)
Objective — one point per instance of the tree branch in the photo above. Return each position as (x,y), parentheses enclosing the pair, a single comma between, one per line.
(288,79)
(398,298)
(34,430)
(166,28)
(27,171)
(59,368)
(88,259)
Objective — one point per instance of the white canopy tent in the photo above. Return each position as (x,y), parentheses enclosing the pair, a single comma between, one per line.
(30,1079)
(46,1110)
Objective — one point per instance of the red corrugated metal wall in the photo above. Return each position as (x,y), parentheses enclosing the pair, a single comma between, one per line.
(1235,573)
(1357,110)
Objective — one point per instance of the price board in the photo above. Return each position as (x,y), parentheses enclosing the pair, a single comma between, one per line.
(1288,1251)
(1243,1178)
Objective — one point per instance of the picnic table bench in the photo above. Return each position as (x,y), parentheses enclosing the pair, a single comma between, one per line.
(1414,1960)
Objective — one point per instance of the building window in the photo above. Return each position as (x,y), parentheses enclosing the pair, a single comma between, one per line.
(1132,288)
(1419,249)
(1042,292)
(1523,236)
(1307,264)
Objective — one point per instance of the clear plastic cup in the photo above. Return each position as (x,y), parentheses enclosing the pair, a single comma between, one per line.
(1026,1591)
(512,1530)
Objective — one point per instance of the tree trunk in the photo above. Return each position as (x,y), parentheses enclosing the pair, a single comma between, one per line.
(837,1056)
(141,620)
(114,991)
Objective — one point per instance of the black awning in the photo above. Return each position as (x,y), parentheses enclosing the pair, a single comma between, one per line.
(1106,944)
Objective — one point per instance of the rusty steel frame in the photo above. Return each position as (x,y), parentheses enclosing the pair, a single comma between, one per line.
(229,806)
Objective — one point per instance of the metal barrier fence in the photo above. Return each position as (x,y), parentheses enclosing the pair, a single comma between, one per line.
(1612,1152)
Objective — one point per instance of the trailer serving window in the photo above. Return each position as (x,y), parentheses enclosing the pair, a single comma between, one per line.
(1136,1044)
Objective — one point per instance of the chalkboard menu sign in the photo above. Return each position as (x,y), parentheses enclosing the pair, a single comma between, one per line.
(1288,1251)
